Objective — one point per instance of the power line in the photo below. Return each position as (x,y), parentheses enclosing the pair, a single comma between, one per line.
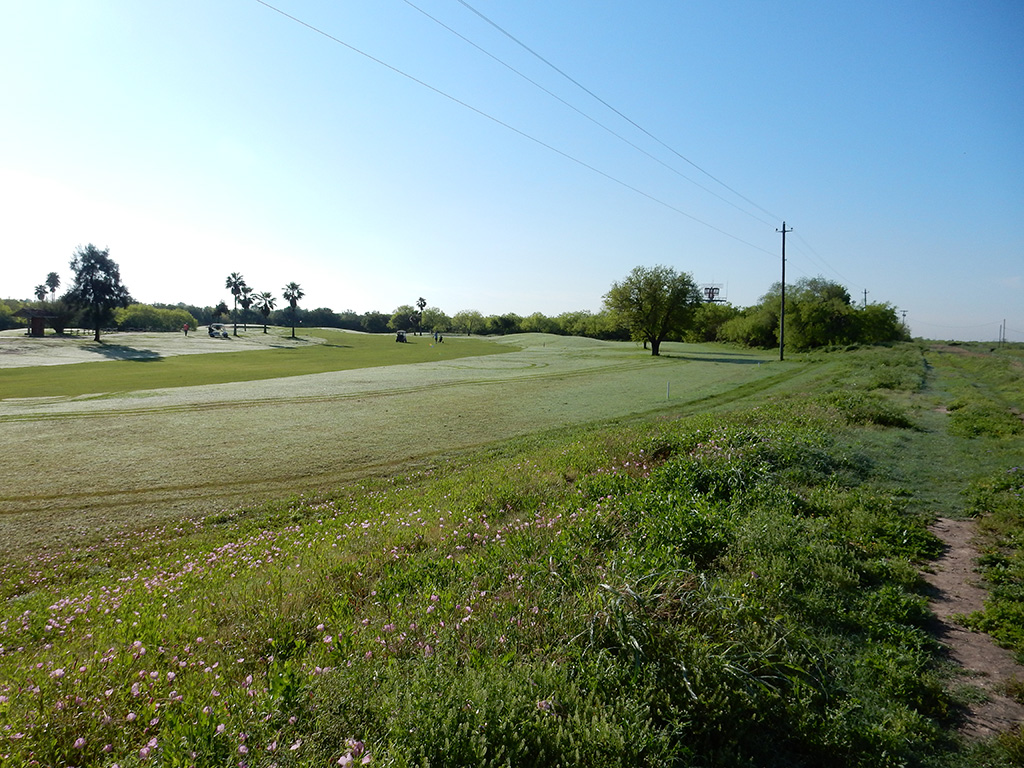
(512,128)
(824,263)
(938,325)
(639,127)
(580,112)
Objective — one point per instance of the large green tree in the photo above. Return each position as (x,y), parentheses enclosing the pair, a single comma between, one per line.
(819,313)
(436,320)
(97,289)
(375,322)
(468,320)
(709,319)
(403,318)
(655,303)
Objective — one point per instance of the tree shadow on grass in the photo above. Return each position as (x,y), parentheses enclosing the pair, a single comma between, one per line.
(300,343)
(732,358)
(121,352)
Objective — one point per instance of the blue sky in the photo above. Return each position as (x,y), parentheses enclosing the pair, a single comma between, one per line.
(200,138)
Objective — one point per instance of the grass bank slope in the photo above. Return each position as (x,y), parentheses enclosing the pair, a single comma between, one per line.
(737,588)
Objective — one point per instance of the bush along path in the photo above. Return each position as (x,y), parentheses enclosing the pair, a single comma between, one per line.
(732,590)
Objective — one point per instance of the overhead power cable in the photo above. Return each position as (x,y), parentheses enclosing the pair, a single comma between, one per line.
(580,112)
(643,130)
(512,128)
(639,127)
(938,325)
(825,264)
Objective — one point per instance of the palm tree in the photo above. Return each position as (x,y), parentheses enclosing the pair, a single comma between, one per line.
(292,294)
(265,304)
(245,298)
(53,283)
(235,283)
(421,303)
(41,291)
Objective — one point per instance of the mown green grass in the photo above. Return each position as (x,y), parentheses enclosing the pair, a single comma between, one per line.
(91,465)
(337,351)
(730,589)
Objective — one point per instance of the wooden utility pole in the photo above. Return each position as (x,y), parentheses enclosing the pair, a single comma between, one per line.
(782,311)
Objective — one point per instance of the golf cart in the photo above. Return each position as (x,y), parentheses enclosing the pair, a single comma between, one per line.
(218,331)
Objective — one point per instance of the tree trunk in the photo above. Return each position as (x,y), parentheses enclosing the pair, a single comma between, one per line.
(655,348)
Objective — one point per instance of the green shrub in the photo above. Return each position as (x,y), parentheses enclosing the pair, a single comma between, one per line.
(859,407)
(983,419)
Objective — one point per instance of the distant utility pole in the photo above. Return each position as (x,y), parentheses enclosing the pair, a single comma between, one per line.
(782,311)
(865,297)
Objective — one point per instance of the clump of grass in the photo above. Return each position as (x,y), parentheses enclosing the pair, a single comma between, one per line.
(1012,742)
(983,417)
(1014,688)
(859,407)
(998,500)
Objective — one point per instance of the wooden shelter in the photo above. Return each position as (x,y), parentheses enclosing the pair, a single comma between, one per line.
(36,319)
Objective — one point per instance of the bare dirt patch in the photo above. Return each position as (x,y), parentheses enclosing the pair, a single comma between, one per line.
(957,350)
(987,667)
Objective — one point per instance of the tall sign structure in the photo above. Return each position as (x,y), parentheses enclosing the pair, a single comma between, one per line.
(782,311)
(713,293)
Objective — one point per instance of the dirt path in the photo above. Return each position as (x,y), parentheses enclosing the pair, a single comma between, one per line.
(955,590)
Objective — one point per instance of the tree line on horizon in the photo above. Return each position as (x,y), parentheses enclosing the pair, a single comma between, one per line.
(650,305)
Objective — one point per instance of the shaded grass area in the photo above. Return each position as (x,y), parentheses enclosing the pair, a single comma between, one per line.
(729,589)
(334,351)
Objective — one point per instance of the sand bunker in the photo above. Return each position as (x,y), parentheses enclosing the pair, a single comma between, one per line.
(18,350)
